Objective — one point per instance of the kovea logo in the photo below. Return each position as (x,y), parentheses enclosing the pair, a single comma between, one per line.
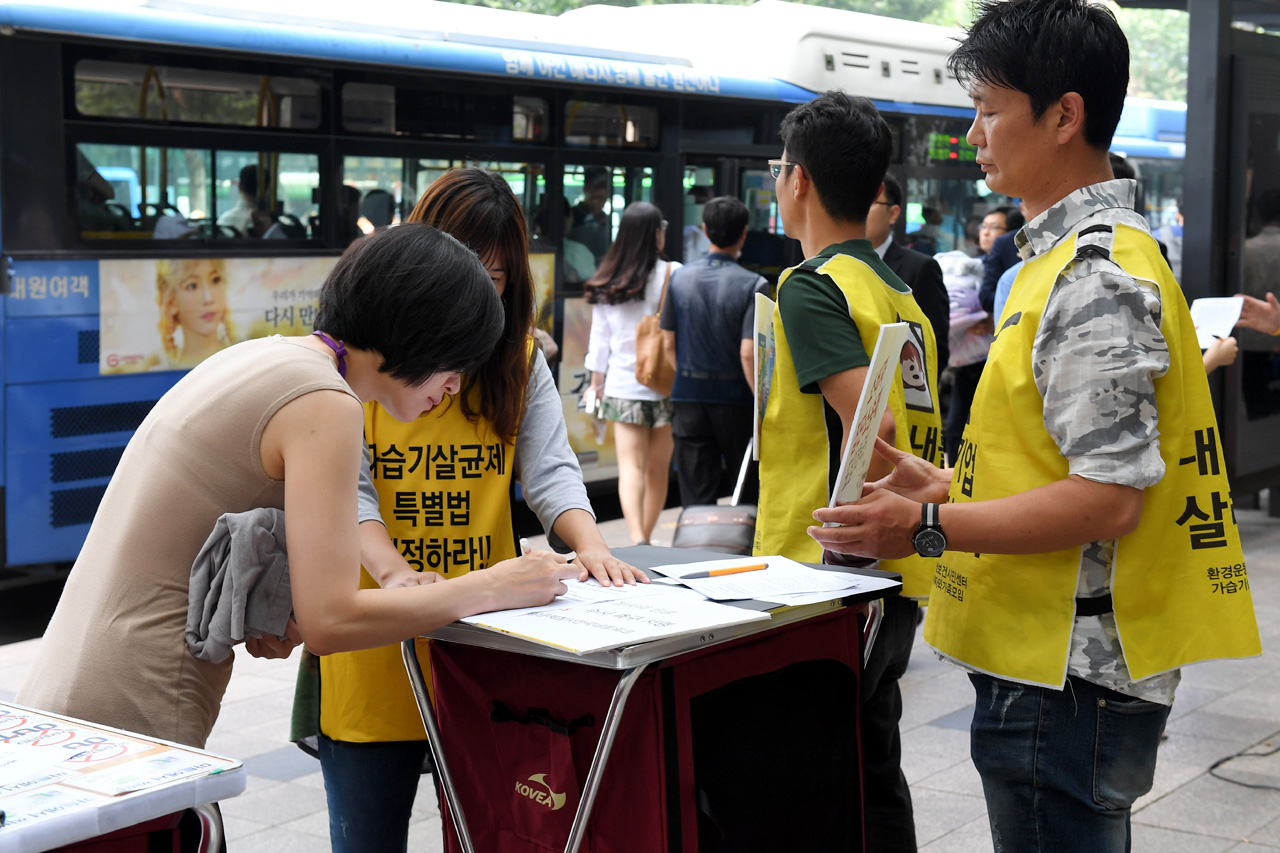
(547,797)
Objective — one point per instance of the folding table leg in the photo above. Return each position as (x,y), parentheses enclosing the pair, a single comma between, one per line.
(603,748)
(409,651)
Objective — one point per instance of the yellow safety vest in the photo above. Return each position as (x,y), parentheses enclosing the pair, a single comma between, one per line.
(1178,583)
(794,450)
(444,491)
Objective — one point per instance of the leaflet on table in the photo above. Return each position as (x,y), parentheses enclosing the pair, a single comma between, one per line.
(42,804)
(584,592)
(583,627)
(39,750)
(1215,317)
(151,772)
(782,577)
(860,447)
(862,584)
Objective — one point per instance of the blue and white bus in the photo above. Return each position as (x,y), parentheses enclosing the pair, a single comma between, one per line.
(142,139)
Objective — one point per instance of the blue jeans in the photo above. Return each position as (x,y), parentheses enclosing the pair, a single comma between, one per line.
(1061,768)
(370,788)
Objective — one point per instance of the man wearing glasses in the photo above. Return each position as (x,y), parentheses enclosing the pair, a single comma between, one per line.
(826,322)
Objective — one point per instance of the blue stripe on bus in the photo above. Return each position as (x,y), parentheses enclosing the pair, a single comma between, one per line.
(172,28)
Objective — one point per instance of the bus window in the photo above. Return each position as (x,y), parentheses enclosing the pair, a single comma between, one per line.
(699,183)
(136,192)
(610,125)
(389,187)
(595,197)
(443,113)
(765,250)
(205,96)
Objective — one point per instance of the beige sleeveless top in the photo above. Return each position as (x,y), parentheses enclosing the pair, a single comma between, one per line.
(115,652)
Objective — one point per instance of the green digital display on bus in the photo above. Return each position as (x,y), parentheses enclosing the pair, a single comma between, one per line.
(947,148)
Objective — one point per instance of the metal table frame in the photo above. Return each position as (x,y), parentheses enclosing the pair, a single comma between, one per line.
(630,661)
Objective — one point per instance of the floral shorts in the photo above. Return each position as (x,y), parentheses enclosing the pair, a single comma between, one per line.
(646,413)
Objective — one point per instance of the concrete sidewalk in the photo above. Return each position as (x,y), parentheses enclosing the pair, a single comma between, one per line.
(1221,709)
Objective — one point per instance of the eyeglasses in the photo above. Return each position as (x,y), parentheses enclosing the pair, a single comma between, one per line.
(664,225)
(775,167)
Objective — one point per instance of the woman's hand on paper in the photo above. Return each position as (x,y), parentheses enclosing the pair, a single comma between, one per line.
(911,477)
(881,525)
(600,564)
(534,579)
(275,647)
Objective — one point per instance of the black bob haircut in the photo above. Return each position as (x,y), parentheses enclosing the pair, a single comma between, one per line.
(1045,49)
(726,220)
(892,190)
(843,144)
(418,298)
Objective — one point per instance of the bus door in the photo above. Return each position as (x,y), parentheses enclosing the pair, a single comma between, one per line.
(767,250)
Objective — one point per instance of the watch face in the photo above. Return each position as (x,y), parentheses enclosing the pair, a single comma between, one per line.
(930,543)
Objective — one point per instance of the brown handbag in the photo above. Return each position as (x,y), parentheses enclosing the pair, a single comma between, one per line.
(655,362)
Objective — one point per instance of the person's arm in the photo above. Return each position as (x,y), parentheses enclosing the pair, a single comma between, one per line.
(552,481)
(747,355)
(843,390)
(1060,515)
(597,358)
(1220,353)
(313,442)
(1109,437)
(1259,315)
(378,554)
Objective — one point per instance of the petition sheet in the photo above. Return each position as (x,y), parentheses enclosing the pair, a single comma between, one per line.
(1215,317)
(781,577)
(595,625)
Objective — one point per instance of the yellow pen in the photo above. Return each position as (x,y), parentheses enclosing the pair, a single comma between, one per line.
(734,570)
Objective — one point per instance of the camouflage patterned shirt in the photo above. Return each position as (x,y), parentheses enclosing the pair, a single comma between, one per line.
(1096,357)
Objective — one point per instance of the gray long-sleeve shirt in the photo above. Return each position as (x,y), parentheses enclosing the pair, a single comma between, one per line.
(545,464)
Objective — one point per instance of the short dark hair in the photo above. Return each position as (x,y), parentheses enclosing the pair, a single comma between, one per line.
(843,144)
(892,190)
(1045,49)
(1121,167)
(726,219)
(417,297)
(1012,218)
(249,180)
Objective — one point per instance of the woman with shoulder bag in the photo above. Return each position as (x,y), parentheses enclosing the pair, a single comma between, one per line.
(628,286)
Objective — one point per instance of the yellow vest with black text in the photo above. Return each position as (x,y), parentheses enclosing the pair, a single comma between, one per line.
(794,448)
(1178,584)
(444,493)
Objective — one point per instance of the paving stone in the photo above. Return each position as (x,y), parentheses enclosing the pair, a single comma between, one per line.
(284,765)
(1172,841)
(1212,807)
(939,813)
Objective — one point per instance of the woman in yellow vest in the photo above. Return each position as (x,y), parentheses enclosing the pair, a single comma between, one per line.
(435,504)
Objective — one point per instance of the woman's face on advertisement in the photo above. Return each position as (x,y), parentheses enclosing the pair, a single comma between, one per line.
(200,299)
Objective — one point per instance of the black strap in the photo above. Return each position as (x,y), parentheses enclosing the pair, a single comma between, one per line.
(540,717)
(1094,606)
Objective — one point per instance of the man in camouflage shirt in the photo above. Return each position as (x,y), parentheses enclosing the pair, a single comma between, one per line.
(1067,581)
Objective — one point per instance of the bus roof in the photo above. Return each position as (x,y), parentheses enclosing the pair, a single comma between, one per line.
(473,50)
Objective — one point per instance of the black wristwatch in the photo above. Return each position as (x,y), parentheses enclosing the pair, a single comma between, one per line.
(929,540)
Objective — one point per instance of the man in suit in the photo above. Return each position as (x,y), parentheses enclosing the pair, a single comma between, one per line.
(917,270)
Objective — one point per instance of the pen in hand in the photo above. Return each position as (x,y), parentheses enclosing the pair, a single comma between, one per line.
(733,570)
